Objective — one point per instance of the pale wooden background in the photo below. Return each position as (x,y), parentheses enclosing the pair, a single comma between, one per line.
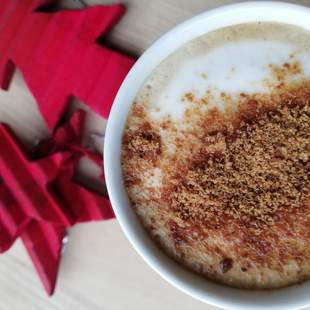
(99,269)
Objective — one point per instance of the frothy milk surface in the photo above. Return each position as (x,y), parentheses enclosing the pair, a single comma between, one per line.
(231,60)
(216,155)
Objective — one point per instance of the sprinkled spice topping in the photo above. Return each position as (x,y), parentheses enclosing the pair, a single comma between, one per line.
(144,142)
(252,174)
(227,193)
(216,155)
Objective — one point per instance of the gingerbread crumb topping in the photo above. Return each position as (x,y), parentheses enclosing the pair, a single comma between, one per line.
(252,174)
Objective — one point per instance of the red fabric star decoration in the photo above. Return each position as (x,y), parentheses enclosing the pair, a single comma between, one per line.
(39,199)
(59,57)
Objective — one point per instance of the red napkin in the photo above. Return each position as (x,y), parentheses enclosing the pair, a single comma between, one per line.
(58,55)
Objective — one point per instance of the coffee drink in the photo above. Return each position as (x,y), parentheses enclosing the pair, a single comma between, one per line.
(216,155)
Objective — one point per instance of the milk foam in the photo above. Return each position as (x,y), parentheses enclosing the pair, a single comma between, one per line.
(234,60)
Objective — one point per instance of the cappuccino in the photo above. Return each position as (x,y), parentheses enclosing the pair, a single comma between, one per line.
(216,155)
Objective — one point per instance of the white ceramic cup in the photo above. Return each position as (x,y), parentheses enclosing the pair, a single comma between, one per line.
(293,297)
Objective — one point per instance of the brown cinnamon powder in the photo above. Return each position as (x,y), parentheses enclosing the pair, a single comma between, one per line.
(253,173)
(233,195)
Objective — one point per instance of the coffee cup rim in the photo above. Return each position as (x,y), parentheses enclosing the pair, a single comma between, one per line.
(293,297)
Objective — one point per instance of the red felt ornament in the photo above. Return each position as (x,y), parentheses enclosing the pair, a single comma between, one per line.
(58,55)
(39,200)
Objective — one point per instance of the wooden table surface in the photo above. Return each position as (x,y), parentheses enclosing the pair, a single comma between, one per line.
(99,270)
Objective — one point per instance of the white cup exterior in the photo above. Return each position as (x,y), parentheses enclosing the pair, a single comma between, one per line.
(293,297)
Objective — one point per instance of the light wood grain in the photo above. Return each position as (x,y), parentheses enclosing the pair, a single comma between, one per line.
(99,269)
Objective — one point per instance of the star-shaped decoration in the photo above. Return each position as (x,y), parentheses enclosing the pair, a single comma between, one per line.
(59,56)
(39,199)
